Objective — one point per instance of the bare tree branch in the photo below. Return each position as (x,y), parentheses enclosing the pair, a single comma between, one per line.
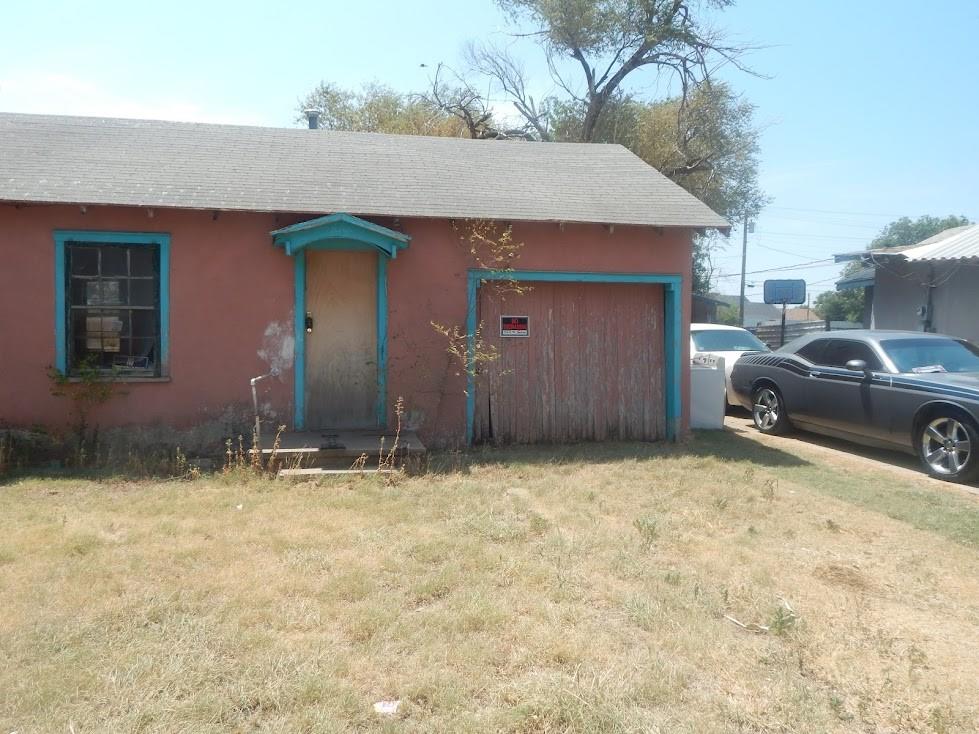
(559,80)
(499,66)
(461,101)
(621,36)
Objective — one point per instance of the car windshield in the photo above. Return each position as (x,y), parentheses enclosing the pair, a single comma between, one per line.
(932,355)
(727,340)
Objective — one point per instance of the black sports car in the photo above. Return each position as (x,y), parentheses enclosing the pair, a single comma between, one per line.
(904,390)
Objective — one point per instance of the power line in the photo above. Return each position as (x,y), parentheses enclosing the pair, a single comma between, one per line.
(816,236)
(823,282)
(807,249)
(798,266)
(835,211)
(784,252)
(824,222)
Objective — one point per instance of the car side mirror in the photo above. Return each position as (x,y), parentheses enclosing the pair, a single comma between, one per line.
(858,365)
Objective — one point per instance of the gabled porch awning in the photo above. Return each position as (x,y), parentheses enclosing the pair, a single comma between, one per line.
(862,278)
(340,232)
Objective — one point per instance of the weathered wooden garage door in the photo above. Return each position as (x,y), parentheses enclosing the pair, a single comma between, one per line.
(592,367)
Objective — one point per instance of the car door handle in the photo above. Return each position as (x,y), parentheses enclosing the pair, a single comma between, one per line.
(815,373)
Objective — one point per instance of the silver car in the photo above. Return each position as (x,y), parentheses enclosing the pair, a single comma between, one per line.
(904,390)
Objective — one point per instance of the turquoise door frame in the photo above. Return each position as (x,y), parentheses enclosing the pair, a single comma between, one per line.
(339,232)
(672,332)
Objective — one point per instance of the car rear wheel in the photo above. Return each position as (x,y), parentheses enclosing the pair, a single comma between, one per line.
(948,446)
(768,411)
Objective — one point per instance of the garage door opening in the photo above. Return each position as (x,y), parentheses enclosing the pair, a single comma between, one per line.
(577,361)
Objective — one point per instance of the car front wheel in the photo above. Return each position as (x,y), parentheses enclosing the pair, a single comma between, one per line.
(947,445)
(768,411)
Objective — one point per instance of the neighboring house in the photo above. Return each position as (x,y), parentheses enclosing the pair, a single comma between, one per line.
(800,313)
(754,313)
(863,278)
(186,259)
(705,309)
(930,286)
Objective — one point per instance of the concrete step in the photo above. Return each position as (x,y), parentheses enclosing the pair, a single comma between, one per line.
(320,472)
(338,449)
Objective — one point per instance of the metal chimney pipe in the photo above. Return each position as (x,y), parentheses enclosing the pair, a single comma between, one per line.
(313,116)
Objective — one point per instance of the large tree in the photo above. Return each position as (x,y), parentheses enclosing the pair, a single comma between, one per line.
(841,305)
(608,40)
(706,143)
(703,136)
(907,231)
(376,108)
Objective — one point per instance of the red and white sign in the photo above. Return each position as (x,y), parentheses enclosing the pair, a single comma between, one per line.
(514,326)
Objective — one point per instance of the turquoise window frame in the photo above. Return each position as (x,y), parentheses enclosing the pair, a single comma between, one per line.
(672,332)
(339,231)
(61,239)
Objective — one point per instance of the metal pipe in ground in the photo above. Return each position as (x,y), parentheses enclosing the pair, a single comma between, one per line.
(258,421)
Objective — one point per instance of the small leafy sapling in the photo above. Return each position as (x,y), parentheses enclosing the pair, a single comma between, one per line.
(87,387)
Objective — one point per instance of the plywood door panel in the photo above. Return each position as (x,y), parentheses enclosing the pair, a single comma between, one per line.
(341,353)
(591,369)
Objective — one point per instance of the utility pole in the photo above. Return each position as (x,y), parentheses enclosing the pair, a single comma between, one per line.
(744,262)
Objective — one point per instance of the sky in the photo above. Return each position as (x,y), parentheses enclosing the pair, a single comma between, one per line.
(867,108)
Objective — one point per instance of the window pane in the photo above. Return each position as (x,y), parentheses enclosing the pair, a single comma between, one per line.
(77,324)
(78,350)
(142,293)
(136,354)
(842,351)
(115,261)
(113,308)
(813,351)
(142,261)
(831,357)
(127,324)
(84,260)
(83,357)
(727,340)
(101,293)
(102,331)
(76,296)
(932,355)
(144,324)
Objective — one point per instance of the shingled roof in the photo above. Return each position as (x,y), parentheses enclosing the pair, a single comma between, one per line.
(90,160)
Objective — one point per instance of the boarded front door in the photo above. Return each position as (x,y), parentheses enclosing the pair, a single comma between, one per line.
(341,352)
(590,368)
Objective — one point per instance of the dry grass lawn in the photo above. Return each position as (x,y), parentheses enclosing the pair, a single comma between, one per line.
(584,589)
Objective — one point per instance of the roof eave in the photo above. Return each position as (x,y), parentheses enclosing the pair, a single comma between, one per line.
(697,225)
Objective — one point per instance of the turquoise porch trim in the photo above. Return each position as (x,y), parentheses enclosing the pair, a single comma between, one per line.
(339,232)
(299,355)
(382,340)
(672,332)
(61,239)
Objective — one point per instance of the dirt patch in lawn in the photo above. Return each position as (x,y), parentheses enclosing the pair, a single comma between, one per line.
(848,576)
(722,585)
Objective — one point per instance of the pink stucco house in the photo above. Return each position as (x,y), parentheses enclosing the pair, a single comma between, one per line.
(187,259)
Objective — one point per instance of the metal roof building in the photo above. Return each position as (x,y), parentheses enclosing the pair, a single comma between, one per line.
(957,243)
(862,278)
(929,286)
